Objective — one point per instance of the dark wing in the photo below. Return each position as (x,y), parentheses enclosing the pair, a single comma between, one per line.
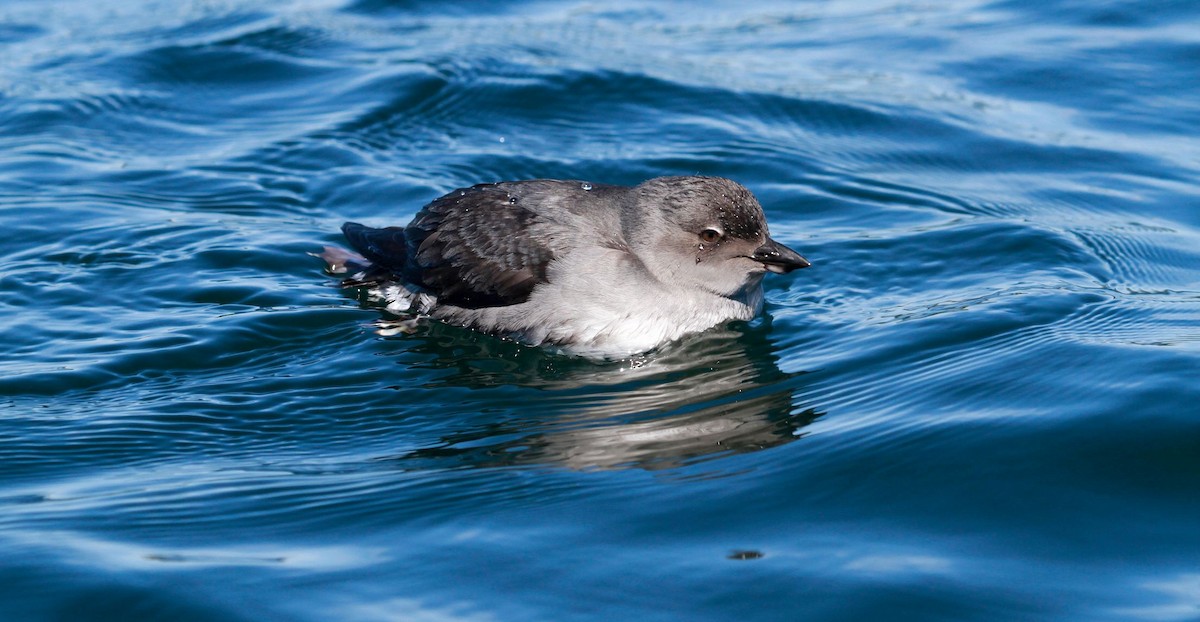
(478,247)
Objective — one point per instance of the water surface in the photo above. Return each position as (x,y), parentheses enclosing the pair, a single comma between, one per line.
(979,404)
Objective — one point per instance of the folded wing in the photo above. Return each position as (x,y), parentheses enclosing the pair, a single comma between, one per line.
(473,248)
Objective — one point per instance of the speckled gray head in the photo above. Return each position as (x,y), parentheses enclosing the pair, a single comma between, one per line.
(710,232)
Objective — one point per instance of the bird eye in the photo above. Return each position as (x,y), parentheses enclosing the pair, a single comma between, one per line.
(710,236)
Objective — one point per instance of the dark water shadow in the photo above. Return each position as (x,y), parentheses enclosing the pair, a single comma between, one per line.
(711,395)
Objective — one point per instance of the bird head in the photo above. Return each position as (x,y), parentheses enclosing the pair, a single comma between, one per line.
(706,232)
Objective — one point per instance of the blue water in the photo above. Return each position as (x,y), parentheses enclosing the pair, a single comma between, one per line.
(980,403)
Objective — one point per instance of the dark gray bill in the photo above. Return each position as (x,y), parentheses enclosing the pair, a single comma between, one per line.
(778,258)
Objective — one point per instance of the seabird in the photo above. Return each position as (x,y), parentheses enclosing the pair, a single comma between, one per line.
(598,270)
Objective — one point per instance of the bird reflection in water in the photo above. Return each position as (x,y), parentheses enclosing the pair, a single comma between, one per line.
(715,394)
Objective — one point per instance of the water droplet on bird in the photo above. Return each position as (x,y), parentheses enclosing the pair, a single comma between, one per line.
(587,186)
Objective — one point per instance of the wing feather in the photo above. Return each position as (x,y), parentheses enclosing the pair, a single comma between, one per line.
(473,248)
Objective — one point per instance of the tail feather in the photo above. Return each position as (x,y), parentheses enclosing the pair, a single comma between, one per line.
(340,261)
(385,247)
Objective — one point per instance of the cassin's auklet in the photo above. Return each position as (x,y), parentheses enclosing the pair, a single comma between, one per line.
(597,270)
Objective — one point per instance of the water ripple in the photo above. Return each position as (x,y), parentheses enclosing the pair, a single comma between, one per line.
(984,386)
